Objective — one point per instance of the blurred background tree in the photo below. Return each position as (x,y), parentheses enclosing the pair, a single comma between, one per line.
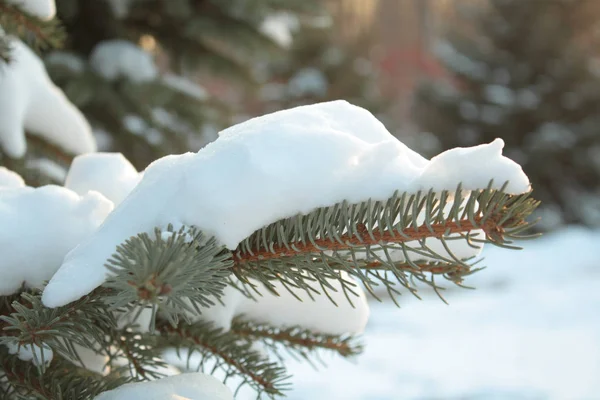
(528,72)
(136,69)
(189,40)
(155,77)
(319,68)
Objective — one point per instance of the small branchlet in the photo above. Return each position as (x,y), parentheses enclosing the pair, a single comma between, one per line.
(178,272)
(296,341)
(22,380)
(39,34)
(142,358)
(84,322)
(385,243)
(219,350)
(404,241)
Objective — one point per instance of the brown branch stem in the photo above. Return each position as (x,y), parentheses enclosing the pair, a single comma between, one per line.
(183,333)
(362,238)
(281,336)
(24,380)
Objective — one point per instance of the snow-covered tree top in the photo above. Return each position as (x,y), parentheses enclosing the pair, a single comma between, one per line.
(274,167)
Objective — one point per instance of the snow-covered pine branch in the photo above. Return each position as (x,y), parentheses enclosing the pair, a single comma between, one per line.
(301,204)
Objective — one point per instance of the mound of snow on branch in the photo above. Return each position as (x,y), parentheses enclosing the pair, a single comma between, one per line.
(39,226)
(192,386)
(31,102)
(31,352)
(10,179)
(274,167)
(43,9)
(108,173)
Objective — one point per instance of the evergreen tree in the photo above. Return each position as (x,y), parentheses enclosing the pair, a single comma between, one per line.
(131,66)
(525,71)
(320,69)
(119,279)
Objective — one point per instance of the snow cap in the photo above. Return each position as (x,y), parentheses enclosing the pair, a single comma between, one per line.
(190,386)
(273,167)
(10,179)
(30,101)
(39,226)
(43,9)
(108,173)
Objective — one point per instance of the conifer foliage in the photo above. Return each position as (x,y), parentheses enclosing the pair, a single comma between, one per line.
(525,71)
(202,274)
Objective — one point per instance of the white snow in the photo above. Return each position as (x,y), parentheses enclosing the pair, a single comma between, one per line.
(319,313)
(185,86)
(257,173)
(113,59)
(31,352)
(190,386)
(280,27)
(308,82)
(43,9)
(110,174)
(10,179)
(141,318)
(39,226)
(530,331)
(91,360)
(473,166)
(30,101)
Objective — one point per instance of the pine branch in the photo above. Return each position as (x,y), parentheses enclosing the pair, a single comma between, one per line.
(40,34)
(180,273)
(49,150)
(377,242)
(376,236)
(84,322)
(297,341)
(63,381)
(143,358)
(235,358)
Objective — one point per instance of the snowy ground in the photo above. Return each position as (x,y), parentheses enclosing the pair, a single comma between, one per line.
(530,331)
